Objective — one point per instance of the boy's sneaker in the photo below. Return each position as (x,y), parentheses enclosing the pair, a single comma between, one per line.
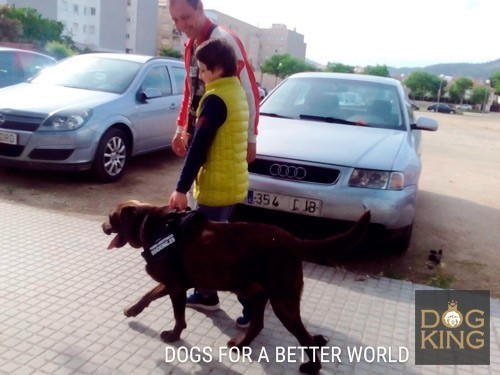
(198,301)
(243,321)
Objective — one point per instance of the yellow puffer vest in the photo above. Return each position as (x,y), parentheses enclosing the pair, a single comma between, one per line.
(223,179)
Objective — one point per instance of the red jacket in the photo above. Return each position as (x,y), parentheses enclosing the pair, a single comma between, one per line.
(245,75)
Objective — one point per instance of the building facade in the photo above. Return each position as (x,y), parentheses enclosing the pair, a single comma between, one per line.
(260,43)
(103,25)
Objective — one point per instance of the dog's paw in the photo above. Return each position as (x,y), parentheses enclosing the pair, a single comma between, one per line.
(310,367)
(320,340)
(236,342)
(132,311)
(170,336)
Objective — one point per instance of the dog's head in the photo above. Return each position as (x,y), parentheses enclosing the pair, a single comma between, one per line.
(125,220)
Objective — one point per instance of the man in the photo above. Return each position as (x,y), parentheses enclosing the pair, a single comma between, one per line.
(189,17)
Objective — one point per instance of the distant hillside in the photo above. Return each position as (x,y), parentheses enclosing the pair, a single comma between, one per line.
(476,71)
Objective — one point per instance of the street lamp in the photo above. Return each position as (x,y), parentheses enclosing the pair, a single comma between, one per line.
(439,91)
(486,92)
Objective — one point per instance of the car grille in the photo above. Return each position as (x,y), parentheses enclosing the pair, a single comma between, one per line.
(20,121)
(294,171)
(11,150)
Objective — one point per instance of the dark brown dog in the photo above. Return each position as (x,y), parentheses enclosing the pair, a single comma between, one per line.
(258,261)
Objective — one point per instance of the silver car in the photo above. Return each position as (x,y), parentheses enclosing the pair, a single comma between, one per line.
(17,65)
(91,111)
(334,145)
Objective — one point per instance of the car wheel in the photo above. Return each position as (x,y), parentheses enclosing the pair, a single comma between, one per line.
(112,156)
(452,112)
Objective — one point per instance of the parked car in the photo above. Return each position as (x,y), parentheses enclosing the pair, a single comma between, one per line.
(414,105)
(91,111)
(442,107)
(464,107)
(17,65)
(321,157)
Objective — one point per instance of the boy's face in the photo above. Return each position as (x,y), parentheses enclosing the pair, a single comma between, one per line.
(208,76)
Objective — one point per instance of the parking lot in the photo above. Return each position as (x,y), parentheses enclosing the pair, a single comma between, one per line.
(458,208)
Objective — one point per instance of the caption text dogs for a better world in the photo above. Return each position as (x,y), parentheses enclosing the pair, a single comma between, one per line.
(288,354)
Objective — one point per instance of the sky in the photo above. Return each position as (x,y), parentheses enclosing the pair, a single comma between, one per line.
(396,33)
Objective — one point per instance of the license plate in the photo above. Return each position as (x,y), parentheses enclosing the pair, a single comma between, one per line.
(298,205)
(9,138)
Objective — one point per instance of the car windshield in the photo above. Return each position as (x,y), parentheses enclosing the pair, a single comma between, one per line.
(342,101)
(91,73)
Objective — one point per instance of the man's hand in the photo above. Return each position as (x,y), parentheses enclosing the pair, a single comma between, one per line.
(180,144)
(251,152)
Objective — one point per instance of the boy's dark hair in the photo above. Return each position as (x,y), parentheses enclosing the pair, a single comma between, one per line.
(217,53)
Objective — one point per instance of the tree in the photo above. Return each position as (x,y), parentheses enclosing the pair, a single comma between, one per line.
(378,70)
(170,52)
(36,29)
(339,68)
(461,85)
(282,66)
(495,82)
(479,95)
(11,30)
(59,50)
(422,84)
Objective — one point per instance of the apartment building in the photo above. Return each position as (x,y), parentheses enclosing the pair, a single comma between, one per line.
(103,25)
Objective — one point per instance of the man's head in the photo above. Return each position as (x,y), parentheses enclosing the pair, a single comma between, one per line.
(188,16)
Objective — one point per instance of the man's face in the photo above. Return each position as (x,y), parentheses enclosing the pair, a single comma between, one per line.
(187,19)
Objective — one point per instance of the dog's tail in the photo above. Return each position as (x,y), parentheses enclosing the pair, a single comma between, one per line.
(336,246)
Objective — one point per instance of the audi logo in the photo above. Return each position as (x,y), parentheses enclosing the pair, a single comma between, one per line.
(2,119)
(287,171)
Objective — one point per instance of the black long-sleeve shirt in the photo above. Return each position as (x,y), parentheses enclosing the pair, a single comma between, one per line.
(213,114)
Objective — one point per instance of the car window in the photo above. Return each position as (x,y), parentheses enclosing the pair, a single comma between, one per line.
(32,63)
(367,103)
(158,78)
(91,73)
(179,74)
(10,71)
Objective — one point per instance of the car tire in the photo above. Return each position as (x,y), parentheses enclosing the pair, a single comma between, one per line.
(112,156)
(452,112)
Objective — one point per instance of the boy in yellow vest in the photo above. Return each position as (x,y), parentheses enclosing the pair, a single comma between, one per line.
(216,159)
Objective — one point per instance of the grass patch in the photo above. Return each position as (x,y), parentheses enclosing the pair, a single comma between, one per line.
(441,279)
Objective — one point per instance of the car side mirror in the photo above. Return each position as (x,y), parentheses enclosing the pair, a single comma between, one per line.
(148,93)
(425,123)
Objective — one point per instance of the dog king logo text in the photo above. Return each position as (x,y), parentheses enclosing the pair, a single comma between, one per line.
(452,327)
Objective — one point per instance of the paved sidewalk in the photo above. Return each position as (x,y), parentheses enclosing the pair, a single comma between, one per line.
(62,295)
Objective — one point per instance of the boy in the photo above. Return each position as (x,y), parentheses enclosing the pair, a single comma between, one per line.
(216,159)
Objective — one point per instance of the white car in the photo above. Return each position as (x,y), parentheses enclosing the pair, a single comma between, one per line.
(333,145)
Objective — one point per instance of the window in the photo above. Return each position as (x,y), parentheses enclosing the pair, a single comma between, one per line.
(92,11)
(179,74)
(158,78)
(76,9)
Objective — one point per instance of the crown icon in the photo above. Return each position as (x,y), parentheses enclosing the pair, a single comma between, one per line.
(452,305)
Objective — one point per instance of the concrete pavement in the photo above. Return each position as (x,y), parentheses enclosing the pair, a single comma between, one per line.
(62,295)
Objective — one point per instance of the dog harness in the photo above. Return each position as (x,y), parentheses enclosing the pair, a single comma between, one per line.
(169,237)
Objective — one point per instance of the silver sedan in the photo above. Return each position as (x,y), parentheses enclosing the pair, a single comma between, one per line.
(91,111)
(334,145)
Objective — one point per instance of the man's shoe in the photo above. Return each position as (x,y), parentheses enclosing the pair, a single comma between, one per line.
(243,321)
(198,301)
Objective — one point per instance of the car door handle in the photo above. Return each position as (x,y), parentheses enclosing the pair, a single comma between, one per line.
(173,106)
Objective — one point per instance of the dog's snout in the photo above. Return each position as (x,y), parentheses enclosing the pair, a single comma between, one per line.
(106,228)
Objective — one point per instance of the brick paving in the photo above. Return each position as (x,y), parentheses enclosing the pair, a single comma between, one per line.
(62,295)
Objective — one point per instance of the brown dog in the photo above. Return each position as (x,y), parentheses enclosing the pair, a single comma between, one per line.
(258,261)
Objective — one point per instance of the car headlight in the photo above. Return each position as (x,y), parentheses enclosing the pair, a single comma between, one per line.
(67,120)
(373,179)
